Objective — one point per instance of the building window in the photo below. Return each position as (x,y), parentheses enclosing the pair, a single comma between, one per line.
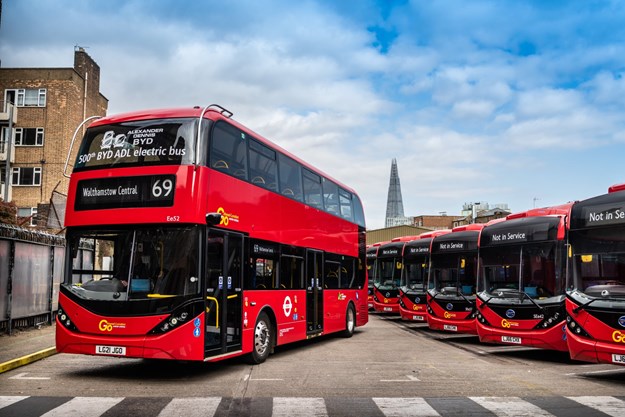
(29,136)
(31,97)
(28,212)
(26,176)
(3,139)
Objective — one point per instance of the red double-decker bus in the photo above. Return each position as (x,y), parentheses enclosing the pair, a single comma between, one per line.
(452,280)
(190,237)
(521,279)
(414,277)
(595,296)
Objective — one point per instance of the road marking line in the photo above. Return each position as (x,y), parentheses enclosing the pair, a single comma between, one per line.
(410,379)
(299,407)
(8,400)
(84,407)
(405,407)
(191,407)
(23,376)
(609,405)
(510,406)
(248,378)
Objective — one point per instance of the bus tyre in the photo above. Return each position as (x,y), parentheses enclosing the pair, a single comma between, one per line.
(350,321)
(263,340)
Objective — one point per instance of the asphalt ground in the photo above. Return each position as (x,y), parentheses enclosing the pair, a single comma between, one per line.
(24,346)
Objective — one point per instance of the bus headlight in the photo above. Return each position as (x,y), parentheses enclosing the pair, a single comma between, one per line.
(177,318)
(64,320)
(575,328)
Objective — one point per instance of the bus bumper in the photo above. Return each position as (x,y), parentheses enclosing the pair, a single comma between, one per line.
(553,338)
(456,326)
(419,316)
(392,308)
(178,344)
(588,350)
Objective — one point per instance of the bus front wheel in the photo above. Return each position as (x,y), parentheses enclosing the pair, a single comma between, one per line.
(263,339)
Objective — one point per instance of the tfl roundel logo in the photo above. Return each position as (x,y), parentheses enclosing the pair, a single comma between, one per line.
(510,313)
(449,306)
(621,321)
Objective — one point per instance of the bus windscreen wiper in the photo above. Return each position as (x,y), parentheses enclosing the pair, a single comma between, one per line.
(523,295)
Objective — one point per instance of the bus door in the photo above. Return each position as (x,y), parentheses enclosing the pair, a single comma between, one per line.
(224,272)
(314,291)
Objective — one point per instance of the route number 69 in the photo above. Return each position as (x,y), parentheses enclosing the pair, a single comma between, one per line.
(163,188)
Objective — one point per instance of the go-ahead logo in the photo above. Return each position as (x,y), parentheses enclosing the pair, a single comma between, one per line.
(105,326)
(618,337)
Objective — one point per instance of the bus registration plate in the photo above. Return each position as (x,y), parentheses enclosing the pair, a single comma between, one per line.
(450,327)
(618,359)
(110,350)
(388,309)
(418,318)
(511,339)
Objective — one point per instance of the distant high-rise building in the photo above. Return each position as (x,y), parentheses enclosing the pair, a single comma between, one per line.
(394,203)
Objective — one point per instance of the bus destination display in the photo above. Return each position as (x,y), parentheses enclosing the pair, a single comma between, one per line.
(118,192)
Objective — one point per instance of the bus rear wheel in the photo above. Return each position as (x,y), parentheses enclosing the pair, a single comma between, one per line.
(350,321)
(263,339)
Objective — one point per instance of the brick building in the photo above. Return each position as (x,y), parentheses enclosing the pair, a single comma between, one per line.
(49,104)
(434,222)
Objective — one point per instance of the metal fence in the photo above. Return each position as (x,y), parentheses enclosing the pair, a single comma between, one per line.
(31,269)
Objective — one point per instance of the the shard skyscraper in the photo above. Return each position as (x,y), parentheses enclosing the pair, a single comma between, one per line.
(394,203)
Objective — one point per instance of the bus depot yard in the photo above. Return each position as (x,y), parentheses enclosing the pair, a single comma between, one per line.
(387,364)
(177,280)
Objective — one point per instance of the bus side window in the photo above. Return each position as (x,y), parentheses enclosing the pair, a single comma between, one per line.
(290,178)
(330,196)
(264,274)
(263,166)
(333,271)
(312,189)
(228,150)
(291,272)
(347,273)
(345,201)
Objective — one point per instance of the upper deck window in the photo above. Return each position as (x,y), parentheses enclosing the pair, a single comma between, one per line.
(138,143)
(290,178)
(263,166)
(312,189)
(229,150)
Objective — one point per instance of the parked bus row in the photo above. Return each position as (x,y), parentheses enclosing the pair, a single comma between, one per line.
(190,237)
(551,278)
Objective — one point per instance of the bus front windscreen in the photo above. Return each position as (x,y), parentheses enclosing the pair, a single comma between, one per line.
(138,143)
(134,264)
(388,274)
(452,273)
(533,269)
(415,274)
(598,261)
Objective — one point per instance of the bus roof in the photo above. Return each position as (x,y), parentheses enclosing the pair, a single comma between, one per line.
(601,211)
(562,209)
(215,113)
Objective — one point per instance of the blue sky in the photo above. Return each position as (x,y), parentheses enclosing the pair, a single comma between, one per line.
(517,102)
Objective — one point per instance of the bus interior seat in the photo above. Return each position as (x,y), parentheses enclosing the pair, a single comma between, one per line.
(221,164)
